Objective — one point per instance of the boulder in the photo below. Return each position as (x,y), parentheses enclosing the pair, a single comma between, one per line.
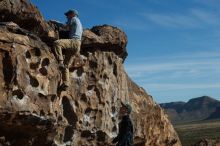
(33,111)
(106,38)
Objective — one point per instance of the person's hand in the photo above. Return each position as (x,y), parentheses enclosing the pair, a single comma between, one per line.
(59,24)
(53,21)
(12,24)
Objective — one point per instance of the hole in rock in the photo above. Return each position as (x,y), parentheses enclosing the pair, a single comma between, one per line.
(18,93)
(90,87)
(113,119)
(69,131)
(68,112)
(56,113)
(115,72)
(33,81)
(83,98)
(76,104)
(87,134)
(42,95)
(93,64)
(43,71)
(42,113)
(93,77)
(53,97)
(60,118)
(7,68)
(102,103)
(105,76)
(79,72)
(109,60)
(114,129)
(37,52)
(98,94)
(34,65)
(28,55)
(88,110)
(101,136)
(45,62)
(87,124)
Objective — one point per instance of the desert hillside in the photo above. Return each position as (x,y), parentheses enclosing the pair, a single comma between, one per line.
(196,109)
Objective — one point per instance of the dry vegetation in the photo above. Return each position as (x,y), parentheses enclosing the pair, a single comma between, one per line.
(190,133)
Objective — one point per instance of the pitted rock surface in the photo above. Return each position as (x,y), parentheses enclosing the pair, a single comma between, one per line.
(33,112)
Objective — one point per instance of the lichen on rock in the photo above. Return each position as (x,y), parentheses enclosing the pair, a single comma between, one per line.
(32,110)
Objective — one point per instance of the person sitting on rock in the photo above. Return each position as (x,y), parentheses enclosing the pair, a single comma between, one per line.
(125,135)
(70,45)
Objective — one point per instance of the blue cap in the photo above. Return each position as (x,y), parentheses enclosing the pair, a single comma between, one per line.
(72,11)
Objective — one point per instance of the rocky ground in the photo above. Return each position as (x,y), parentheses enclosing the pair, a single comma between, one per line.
(33,112)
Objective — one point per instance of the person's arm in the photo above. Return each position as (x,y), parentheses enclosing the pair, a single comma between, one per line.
(116,139)
(71,23)
(127,128)
(57,23)
(121,134)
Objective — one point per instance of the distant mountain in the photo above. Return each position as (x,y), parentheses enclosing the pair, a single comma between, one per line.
(195,109)
(215,114)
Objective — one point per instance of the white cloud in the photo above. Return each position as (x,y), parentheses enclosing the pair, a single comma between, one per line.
(205,16)
(168,86)
(212,3)
(167,92)
(209,54)
(171,20)
(175,65)
(132,24)
(192,18)
(194,68)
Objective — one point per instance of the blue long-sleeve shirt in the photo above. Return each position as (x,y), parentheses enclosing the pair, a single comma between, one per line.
(75,28)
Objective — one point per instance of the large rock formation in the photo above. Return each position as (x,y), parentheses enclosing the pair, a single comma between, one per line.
(33,112)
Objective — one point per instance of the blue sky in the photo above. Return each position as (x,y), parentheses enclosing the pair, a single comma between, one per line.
(174,45)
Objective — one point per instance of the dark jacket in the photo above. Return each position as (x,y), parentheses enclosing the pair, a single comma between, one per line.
(125,135)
